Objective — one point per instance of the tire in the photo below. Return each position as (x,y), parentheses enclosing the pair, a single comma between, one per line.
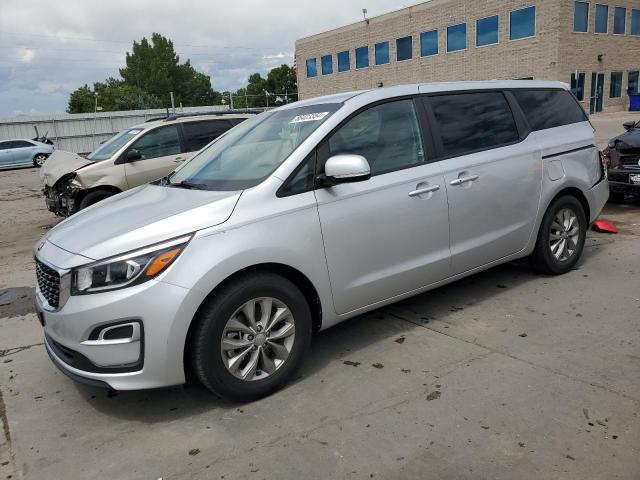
(545,259)
(93,197)
(616,197)
(39,159)
(213,324)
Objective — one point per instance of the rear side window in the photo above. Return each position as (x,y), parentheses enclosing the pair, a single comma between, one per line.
(199,134)
(471,122)
(549,108)
(20,144)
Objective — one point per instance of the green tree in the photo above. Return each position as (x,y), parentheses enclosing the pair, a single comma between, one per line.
(282,81)
(154,67)
(81,100)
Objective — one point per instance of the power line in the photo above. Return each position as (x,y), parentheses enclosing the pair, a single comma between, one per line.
(121,42)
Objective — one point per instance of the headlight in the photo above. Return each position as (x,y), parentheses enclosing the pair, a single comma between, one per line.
(126,270)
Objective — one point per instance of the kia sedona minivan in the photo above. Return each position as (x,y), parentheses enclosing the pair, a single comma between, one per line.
(310,214)
(135,156)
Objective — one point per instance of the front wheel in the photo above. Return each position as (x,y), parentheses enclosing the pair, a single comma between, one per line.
(250,336)
(561,237)
(39,159)
(93,197)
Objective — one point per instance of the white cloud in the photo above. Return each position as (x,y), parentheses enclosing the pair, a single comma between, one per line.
(83,41)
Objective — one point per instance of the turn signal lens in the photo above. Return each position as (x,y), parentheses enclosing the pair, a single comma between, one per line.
(161,262)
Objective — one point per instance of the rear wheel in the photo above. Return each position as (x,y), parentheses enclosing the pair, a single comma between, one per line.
(93,197)
(250,336)
(39,159)
(561,237)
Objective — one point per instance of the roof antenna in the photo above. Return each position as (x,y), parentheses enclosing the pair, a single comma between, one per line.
(364,14)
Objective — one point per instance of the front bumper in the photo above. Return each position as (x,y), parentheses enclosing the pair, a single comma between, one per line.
(164,312)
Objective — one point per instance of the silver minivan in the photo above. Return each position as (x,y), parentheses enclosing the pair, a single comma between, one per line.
(310,214)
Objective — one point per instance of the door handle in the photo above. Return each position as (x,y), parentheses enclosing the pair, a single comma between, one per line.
(463,180)
(422,191)
(178,159)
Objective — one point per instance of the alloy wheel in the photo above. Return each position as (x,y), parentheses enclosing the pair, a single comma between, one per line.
(564,235)
(257,339)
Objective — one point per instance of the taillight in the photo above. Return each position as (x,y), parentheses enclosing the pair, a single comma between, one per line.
(606,156)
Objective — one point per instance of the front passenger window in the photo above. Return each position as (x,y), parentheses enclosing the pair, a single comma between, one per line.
(161,142)
(387,135)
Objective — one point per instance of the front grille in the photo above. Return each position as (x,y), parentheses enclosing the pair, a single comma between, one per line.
(48,283)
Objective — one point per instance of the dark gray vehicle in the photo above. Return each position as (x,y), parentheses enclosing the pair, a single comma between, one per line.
(622,156)
(17,153)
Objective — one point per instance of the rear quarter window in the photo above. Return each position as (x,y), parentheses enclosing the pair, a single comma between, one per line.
(549,108)
(199,134)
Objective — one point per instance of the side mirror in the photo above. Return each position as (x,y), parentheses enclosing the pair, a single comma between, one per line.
(133,155)
(630,125)
(346,169)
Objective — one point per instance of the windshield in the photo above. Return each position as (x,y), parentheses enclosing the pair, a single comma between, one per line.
(250,152)
(115,143)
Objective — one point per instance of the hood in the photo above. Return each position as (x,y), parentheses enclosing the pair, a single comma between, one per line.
(140,217)
(629,140)
(59,164)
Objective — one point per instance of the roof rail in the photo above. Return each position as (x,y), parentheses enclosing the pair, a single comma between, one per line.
(251,111)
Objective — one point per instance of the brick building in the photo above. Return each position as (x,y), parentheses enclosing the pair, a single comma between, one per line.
(452,40)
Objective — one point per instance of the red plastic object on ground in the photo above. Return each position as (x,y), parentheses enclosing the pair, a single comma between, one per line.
(604,226)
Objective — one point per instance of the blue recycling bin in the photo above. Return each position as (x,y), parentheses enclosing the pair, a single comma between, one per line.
(634,102)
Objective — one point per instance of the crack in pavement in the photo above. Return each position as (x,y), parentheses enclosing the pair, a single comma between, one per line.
(11,351)
(509,355)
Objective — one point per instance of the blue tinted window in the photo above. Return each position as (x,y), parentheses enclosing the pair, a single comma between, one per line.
(487,31)
(382,53)
(344,61)
(362,57)
(456,37)
(429,43)
(602,18)
(327,65)
(312,69)
(635,22)
(619,20)
(580,16)
(522,23)
(404,48)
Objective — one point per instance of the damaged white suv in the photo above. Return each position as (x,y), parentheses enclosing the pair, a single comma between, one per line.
(133,157)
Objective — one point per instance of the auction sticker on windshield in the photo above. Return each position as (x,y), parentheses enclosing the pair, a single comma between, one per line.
(309,117)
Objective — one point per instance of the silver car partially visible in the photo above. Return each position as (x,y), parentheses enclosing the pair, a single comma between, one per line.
(22,152)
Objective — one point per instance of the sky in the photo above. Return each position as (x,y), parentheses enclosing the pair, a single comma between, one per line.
(48,49)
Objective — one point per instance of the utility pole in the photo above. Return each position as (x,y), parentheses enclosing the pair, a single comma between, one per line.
(173,104)
(231,100)
(95,117)
(266,94)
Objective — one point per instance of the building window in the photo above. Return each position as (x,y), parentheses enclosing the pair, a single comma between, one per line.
(602,18)
(457,37)
(580,17)
(382,53)
(633,82)
(312,68)
(429,43)
(487,31)
(577,86)
(404,48)
(522,23)
(635,22)
(344,61)
(619,20)
(362,57)
(327,64)
(615,89)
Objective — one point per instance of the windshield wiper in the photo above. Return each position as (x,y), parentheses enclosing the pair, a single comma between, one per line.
(188,185)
